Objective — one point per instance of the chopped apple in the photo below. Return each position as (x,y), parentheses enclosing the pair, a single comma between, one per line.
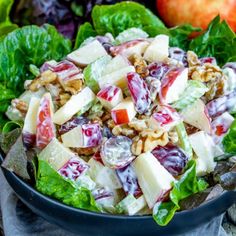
(45,130)
(117,78)
(205,150)
(56,154)
(130,205)
(110,96)
(30,123)
(117,63)
(124,112)
(66,72)
(103,175)
(86,135)
(154,180)
(158,50)
(197,116)
(87,54)
(130,48)
(74,105)
(173,84)
(74,168)
(166,117)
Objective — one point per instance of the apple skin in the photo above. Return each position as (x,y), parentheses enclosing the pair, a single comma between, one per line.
(198,13)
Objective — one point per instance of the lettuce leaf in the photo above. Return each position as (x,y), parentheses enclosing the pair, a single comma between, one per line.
(5,24)
(85,31)
(21,48)
(229,141)
(187,185)
(50,183)
(218,41)
(121,16)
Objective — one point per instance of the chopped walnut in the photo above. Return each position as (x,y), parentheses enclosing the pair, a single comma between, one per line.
(111,124)
(205,73)
(85,151)
(44,79)
(20,105)
(64,98)
(191,129)
(192,59)
(74,86)
(216,88)
(148,140)
(106,116)
(140,65)
(124,130)
(138,125)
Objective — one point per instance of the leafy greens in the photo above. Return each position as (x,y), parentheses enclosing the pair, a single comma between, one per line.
(218,41)
(187,185)
(21,48)
(5,24)
(50,183)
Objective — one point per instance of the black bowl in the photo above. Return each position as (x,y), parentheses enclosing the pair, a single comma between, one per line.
(87,223)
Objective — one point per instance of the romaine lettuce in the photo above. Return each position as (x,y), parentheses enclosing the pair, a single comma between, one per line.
(21,48)
(50,183)
(187,185)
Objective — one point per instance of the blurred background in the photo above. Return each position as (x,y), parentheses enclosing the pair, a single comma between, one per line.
(66,15)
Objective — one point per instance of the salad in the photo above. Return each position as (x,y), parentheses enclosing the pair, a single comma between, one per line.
(126,123)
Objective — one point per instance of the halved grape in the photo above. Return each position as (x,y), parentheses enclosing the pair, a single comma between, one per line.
(158,70)
(129,181)
(72,123)
(172,158)
(139,92)
(178,54)
(116,152)
(73,168)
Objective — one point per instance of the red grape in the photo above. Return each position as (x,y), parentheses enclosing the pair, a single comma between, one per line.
(171,157)
(139,92)
(116,152)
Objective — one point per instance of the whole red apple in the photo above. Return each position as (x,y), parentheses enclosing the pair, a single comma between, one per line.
(196,12)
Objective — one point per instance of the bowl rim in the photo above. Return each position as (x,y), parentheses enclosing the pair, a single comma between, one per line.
(57,203)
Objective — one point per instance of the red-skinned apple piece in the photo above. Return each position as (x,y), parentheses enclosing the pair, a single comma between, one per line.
(166,118)
(45,130)
(130,48)
(173,84)
(124,112)
(197,116)
(197,13)
(110,96)
(30,124)
(83,136)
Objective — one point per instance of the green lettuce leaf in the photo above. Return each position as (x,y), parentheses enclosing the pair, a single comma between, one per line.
(5,24)
(218,41)
(194,90)
(121,16)
(187,185)
(229,141)
(85,31)
(50,183)
(21,48)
